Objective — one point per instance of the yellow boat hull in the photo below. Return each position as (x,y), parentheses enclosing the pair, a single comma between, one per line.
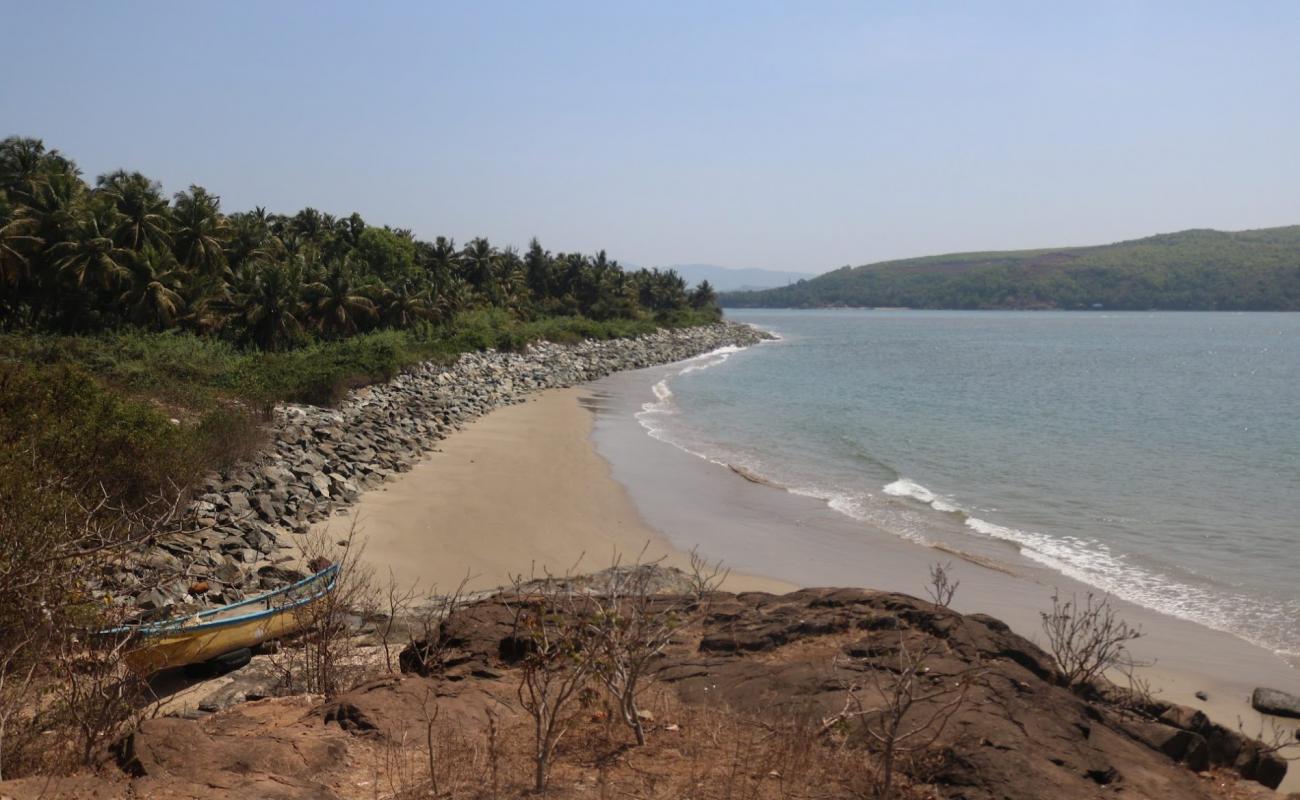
(181,647)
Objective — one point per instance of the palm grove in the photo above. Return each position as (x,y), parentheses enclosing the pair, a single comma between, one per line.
(79,258)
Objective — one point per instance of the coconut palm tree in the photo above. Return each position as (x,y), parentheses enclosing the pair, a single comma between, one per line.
(439,261)
(478,264)
(405,305)
(510,283)
(153,296)
(337,304)
(251,240)
(538,266)
(312,225)
(56,205)
(145,214)
(201,231)
(18,242)
(89,257)
(267,304)
(703,296)
(25,163)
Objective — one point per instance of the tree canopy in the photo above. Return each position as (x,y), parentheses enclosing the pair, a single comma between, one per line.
(77,258)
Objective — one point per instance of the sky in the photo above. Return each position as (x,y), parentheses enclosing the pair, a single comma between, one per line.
(802,136)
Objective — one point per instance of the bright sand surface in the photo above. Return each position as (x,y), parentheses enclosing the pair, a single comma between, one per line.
(519,491)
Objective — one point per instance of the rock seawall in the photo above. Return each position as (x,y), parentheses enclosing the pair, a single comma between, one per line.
(322,459)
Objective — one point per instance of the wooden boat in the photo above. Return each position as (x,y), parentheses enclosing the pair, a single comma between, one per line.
(215,632)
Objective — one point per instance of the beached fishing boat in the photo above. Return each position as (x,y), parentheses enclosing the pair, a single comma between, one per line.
(209,634)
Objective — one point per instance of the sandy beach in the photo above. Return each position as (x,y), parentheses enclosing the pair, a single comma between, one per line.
(518,491)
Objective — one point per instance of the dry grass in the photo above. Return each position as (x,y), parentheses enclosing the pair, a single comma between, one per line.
(692,751)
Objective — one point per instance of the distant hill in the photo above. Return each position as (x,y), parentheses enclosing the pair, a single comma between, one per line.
(727,279)
(1256,270)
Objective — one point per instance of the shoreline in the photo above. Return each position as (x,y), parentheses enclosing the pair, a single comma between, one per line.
(444,522)
(764,529)
(320,461)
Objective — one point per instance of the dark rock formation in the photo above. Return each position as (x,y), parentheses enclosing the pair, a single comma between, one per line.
(1018,734)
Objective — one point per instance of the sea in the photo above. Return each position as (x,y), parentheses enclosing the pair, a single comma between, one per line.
(1154,457)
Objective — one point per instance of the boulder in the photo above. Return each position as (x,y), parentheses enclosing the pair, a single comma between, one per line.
(238,503)
(1275,702)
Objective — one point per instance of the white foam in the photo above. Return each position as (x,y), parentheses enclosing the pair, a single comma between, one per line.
(651,413)
(662,393)
(1094,563)
(907,488)
(710,359)
(904,487)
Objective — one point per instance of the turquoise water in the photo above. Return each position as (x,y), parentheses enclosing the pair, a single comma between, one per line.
(1154,456)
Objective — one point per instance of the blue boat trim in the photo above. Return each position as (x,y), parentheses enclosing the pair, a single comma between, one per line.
(178,625)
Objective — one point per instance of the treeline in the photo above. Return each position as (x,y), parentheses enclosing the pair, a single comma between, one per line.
(77,258)
(1256,270)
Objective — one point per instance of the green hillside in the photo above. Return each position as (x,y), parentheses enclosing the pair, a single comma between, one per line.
(1257,270)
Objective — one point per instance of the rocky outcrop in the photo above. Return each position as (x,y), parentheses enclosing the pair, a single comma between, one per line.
(763,659)
(322,459)
(1019,734)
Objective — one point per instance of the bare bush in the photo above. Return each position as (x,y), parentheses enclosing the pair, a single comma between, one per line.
(1274,739)
(705,576)
(425,639)
(555,662)
(1086,639)
(324,657)
(61,544)
(629,623)
(902,708)
(97,696)
(397,604)
(942,587)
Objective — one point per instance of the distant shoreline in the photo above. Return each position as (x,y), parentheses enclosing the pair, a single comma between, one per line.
(1192,270)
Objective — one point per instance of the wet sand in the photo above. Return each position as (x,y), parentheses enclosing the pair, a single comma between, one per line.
(518,491)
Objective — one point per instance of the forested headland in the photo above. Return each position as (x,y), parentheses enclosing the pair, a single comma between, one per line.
(1194,270)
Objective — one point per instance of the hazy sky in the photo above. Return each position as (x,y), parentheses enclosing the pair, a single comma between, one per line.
(799,136)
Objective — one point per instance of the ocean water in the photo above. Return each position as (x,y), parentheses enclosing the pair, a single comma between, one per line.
(1155,457)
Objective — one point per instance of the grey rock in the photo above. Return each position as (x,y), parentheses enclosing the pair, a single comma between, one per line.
(229,573)
(1275,702)
(238,502)
(265,507)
